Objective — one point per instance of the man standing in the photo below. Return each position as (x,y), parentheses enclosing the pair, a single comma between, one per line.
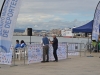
(45,43)
(55,47)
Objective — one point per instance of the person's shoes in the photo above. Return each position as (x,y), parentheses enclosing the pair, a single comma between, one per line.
(47,61)
(55,61)
(42,61)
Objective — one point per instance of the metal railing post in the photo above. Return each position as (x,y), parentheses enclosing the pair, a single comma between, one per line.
(24,55)
(84,51)
(67,52)
(80,49)
(14,56)
(67,49)
(14,64)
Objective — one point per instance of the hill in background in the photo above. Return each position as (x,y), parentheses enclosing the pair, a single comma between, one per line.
(23,30)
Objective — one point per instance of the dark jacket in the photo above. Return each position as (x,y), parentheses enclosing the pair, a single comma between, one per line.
(55,43)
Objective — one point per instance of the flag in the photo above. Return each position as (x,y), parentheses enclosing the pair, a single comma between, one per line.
(8,19)
(96,23)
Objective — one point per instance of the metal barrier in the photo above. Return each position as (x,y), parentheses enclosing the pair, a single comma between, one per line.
(90,49)
(78,47)
(19,53)
(70,47)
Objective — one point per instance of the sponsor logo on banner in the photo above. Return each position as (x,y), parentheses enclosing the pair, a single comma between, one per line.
(6,58)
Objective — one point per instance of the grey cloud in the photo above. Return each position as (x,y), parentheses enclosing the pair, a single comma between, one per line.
(58,6)
(52,24)
(52,7)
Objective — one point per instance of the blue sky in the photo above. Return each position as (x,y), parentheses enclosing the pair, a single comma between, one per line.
(52,14)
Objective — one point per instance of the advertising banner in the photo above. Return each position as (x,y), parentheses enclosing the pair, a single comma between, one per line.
(6,58)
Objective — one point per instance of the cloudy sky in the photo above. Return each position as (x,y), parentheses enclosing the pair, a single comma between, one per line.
(51,14)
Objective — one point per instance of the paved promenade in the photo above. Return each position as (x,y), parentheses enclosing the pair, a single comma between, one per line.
(75,66)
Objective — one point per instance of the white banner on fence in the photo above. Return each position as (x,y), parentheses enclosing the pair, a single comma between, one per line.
(7,22)
(6,58)
(61,52)
(74,53)
(73,48)
(35,53)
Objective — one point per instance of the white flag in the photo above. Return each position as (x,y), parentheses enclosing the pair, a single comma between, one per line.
(96,23)
(8,20)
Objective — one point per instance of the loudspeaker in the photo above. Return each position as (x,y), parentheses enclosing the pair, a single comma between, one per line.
(29,31)
(86,34)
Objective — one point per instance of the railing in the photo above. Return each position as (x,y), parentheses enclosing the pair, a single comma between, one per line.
(71,48)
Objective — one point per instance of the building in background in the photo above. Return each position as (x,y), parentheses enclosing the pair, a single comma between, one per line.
(57,32)
(67,32)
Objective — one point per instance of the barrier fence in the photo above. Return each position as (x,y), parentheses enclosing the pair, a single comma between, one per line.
(33,53)
(91,49)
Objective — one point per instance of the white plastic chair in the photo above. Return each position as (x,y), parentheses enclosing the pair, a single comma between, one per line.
(20,53)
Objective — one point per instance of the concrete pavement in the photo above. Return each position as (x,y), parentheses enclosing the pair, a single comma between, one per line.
(75,66)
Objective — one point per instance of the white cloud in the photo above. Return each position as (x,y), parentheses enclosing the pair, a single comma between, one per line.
(57,18)
(36,26)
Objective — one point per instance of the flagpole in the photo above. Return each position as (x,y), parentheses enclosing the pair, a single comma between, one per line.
(2,7)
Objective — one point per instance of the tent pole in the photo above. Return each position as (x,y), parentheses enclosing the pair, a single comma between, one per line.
(88,42)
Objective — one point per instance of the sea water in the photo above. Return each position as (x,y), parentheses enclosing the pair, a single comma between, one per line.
(38,39)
